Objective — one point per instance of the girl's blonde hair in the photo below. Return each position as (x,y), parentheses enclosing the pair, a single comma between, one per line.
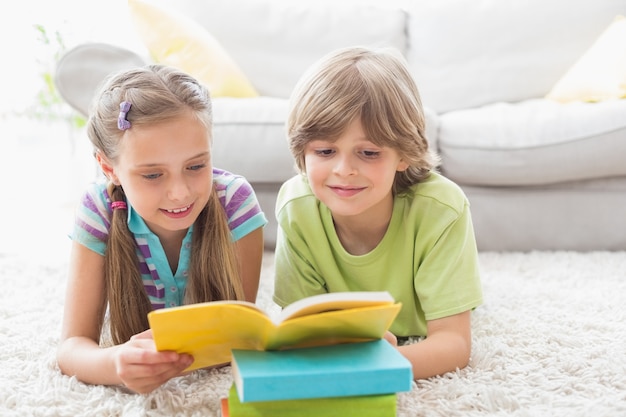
(158,93)
(373,85)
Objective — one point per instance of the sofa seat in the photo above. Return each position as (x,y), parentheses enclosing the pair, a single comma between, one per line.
(533,142)
(578,216)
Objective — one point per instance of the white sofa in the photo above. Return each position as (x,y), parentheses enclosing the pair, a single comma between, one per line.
(539,174)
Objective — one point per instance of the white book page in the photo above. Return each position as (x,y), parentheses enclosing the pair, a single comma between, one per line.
(334,301)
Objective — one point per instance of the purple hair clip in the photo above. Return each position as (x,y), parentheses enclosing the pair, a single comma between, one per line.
(122,121)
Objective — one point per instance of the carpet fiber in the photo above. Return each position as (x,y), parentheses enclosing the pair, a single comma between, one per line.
(549,340)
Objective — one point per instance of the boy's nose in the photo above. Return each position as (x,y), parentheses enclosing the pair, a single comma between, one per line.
(344,165)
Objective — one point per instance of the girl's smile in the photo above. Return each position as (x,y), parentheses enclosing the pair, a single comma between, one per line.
(178,213)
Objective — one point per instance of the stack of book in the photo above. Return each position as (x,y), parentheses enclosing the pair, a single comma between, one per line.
(323,355)
(354,379)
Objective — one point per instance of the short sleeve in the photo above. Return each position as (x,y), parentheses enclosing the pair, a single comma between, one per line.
(93,218)
(240,203)
(447,281)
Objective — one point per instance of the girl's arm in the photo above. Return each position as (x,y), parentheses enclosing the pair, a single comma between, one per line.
(250,255)
(135,363)
(446,347)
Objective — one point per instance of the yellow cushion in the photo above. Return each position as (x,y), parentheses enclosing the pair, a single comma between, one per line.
(600,74)
(176,40)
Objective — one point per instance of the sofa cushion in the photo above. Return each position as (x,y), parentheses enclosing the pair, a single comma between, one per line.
(600,74)
(534,142)
(249,138)
(177,40)
(471,53)
(275,41)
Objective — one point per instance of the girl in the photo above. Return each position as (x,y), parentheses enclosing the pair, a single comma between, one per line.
(164,229)
(369,213)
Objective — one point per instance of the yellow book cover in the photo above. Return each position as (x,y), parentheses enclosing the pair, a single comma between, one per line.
(209,331)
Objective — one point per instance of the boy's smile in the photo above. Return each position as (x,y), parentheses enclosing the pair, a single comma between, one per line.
(346,191)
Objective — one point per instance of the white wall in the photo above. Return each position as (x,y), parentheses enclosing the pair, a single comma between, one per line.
(44,166)
(24,56)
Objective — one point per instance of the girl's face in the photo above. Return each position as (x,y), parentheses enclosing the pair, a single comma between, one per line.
(166,172)
(353,176)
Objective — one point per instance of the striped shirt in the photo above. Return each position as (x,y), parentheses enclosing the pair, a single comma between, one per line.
(164,288)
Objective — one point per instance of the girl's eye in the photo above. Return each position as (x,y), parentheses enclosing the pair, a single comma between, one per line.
(151,176)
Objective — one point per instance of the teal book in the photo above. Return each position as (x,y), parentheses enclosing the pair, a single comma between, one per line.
(351,369)
(362,406)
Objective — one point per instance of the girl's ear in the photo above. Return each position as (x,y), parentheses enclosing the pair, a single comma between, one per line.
(107,168)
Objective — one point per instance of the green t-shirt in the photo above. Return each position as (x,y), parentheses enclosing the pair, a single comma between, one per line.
(427,259)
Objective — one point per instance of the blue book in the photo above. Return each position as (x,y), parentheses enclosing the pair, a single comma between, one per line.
(352,369)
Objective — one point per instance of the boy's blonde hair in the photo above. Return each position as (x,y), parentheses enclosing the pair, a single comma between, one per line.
(373,85)
(157,94)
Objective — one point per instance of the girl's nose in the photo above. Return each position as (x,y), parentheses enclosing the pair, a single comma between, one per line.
(178,190)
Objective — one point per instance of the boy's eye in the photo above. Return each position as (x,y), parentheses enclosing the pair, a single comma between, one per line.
(371,154)
(323,152)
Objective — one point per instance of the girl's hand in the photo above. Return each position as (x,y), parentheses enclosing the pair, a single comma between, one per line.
(142,368)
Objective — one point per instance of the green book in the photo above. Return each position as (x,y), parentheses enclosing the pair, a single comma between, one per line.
(357,406)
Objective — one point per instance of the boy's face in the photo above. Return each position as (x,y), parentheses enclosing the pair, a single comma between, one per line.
(353,176)
(166,173)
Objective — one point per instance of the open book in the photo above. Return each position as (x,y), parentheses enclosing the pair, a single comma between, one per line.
(209,331)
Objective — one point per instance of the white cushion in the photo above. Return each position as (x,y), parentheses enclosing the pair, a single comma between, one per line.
(249,138)
(534,142)
(470,53)
(275,41)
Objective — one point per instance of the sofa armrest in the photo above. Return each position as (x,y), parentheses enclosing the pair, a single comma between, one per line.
(432,128)
(82,69)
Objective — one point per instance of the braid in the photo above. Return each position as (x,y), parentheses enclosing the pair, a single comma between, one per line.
(128,302)
(214,270)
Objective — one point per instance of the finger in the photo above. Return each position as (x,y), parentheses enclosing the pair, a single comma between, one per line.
(391,338)
(142,352)
(146,378)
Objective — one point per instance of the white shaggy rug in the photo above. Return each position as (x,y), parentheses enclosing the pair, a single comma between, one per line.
(550,340)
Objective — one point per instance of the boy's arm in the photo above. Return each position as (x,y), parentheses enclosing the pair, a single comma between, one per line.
(446,347)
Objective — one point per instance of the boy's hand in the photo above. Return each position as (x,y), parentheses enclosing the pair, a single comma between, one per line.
(391,338)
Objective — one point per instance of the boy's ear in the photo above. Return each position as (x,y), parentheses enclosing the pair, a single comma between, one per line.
(107,168)
(402,166)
